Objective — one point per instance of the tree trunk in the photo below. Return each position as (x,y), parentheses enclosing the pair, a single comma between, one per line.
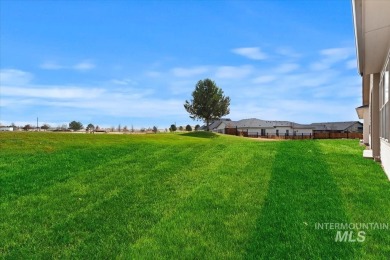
(207,124)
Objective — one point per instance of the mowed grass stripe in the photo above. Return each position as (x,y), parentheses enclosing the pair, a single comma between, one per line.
(34,171)
(99,178)
(302,192)
(27,166)
(365,192)
(88,194)
(214,219)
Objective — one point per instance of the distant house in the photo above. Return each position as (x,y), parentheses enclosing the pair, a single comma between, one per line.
(217,125)
(6,129)
(338,127)
(262,127)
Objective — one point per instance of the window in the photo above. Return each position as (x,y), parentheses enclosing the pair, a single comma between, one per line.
(287,132)
(384,106)
(386,85)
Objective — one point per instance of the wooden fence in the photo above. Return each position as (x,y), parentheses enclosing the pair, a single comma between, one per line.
(235,131)
(338,135)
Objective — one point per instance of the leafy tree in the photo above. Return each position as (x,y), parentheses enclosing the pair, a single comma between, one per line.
(155,129)
(75,126)
(125,129)
(197,127)
(173,128)
(90,127)
(119,128)
(208,102)
(27,127)
(45,126)
(188,128)
(181,128)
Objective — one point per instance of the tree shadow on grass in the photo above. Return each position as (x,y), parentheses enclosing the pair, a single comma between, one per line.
(302,193)
(201,134)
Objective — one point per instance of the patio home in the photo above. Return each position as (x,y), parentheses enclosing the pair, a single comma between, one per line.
(262,127)
(338,127)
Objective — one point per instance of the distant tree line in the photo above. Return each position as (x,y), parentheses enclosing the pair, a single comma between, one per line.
(77,126)
(187,128)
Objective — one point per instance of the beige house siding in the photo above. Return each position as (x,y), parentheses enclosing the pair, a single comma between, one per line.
(372,37)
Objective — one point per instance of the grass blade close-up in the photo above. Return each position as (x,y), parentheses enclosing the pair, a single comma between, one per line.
(197,195)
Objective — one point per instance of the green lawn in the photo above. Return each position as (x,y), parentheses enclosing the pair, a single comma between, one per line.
(194,195)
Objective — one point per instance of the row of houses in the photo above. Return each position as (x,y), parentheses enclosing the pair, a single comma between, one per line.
(278,128)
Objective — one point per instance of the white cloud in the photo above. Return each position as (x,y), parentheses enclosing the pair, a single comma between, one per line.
(332,56)
(287,67)
(275,86)
(264,79)
(189,72)
(184,87)
(311,79)
(276,73)
(84,65)
(65,101)
(254,110)
(253,53)
(80,66)
(319,66)
(124,82)
(14,77)
(233,72)
(342,87)
(288,52)
(338,53)
(60,92)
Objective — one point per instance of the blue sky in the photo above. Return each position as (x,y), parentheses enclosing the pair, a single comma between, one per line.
(136,62)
